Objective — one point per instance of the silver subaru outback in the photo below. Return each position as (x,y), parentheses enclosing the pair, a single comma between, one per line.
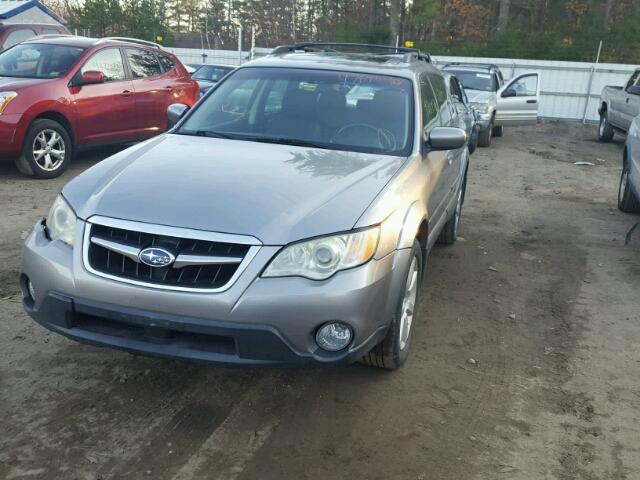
(285,219)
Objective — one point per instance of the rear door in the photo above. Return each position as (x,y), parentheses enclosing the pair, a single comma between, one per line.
(518,100)
(152,91)
(105,112)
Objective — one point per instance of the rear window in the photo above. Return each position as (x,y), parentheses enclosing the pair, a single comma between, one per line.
(325,109)
(143,63)
(38,60)
(167,63)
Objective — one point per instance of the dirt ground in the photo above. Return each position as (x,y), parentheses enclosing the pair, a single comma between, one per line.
(541,292)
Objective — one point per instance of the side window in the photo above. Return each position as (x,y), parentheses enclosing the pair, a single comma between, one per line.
(109,62)
(51,31)
(18,36)
(526,86)
(445,109)
(455,90)
(143,63)
(429,104)
(167,63)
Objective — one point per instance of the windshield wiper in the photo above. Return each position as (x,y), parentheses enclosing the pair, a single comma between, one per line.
(282,141)
(206,133)
(252,138)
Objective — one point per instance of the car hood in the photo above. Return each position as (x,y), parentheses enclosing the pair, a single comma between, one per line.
(275,193)
(480,97)
(12,83)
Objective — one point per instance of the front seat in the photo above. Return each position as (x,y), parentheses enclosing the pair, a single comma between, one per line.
(298,118)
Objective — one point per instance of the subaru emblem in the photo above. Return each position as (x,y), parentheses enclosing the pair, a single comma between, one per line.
(156,257)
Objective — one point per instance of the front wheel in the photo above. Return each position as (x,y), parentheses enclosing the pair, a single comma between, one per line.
(449,232)
(485,136)
(393,351)
(473,141)
(605,130)
(46,151)
(627,200)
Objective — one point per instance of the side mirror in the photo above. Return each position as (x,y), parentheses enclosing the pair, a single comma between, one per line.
(92,77)
(446,138)
(175,111)
(509,92)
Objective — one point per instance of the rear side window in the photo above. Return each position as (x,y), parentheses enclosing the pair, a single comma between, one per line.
(18,36)
(429,103)
(445,108)
(109,62)
(51,31)
(167,63)
(143,63)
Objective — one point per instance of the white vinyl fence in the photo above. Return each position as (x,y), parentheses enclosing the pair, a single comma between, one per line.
(569,90)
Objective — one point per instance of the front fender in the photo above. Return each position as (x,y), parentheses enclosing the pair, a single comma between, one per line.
(415,215)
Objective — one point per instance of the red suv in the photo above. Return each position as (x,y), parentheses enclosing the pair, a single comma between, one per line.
(61,94)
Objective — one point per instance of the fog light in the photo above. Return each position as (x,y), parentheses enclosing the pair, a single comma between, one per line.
(32,291)
(333,336)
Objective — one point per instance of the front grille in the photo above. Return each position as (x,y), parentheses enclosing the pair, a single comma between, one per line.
(113,251)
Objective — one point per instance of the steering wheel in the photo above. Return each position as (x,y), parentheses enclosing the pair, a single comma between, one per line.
(386,140)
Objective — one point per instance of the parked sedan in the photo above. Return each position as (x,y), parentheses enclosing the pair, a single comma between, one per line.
(208,75)
(61,94)
(470,120)
(629,192)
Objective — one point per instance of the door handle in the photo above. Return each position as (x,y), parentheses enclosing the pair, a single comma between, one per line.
(532,101)
(126,93)
(627,99)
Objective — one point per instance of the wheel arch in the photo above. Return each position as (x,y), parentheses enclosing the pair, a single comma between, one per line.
(60,118)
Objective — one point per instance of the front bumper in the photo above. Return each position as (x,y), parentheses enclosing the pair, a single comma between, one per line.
(11,135)
(257,321)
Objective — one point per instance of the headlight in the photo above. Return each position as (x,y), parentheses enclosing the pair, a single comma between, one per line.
(320,258)
(61,221)
(480,107)
(5,99)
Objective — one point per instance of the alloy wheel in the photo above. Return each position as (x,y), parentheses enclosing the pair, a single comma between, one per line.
(48,150)
(409,303)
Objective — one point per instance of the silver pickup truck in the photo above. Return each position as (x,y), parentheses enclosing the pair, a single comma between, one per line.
(618,107)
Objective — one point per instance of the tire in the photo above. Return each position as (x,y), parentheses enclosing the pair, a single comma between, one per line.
(605,130)
(449,232)
(393,351)
(498,131)
(484,137)
(47,150)
(627,200)
(473,142)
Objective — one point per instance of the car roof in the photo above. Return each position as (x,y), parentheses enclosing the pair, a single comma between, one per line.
(382,64)
(86,42)
(485,67)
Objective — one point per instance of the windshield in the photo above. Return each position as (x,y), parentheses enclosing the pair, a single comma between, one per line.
(211,73)
(37,60)
(318,108)
(484,82)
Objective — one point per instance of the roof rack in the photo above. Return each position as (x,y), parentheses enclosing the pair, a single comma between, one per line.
(409,53)
(52,35)
(133,40)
